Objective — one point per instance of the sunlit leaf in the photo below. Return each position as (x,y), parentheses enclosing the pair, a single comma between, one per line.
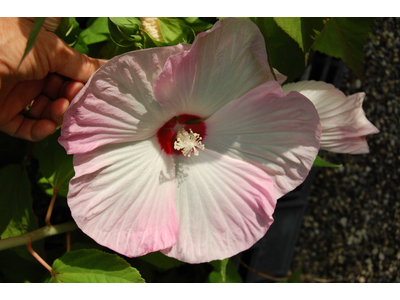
(345,38)
(284,54)
(175,31)
(96,32)
(319,162)
(37,25)
(224,272)
(125,31)
(54,162)
(93,266)
(196,23)
(16,214)
(303,30)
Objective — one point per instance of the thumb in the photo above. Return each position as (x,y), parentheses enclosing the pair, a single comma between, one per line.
(70,63)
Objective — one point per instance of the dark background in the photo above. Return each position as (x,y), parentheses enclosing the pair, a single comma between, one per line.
(351,228)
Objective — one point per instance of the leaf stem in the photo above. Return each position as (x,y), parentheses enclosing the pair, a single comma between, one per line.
(38,234)
(39,259)
(51,206)
(68,241)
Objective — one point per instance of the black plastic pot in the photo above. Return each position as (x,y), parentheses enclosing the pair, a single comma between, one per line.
(272,255)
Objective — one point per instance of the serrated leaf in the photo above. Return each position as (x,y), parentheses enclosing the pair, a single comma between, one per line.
(345,38)
(93,266)
(224,272)
(37,25)
(284,54)
(319,162)
(303,30)
(54,162)
(16,214)
(161,261)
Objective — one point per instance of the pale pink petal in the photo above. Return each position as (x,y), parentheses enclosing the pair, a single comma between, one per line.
(123,196)
(117,104)
(223,64)
(224,206)
(344,124)
(275,132)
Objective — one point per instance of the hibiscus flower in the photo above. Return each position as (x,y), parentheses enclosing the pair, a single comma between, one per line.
(185,149)
(343,121)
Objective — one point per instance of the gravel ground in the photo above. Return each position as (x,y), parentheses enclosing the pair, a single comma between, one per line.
(351,229)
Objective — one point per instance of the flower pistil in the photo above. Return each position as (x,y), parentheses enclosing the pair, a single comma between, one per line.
(188,142)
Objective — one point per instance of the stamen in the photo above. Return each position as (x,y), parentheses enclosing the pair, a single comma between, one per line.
(188,142)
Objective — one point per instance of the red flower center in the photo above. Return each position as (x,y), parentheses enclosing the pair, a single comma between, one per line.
(167,133)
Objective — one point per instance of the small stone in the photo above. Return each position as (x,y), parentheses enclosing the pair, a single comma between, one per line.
(381,256)
(343,221)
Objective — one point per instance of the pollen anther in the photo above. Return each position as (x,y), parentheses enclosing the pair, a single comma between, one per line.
(188,142)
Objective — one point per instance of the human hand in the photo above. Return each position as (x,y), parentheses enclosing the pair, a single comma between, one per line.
(51,75)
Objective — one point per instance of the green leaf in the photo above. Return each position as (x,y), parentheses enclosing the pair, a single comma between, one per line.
(303,30)
(161,261)
(97,31)
(16,214)
(175,31)
(37,25)
(319,162)
(125,31)
(196,23)
(93,266)
(54,162)
(45,185)
(345,38)
(224,272)
(68,30)
(283,52)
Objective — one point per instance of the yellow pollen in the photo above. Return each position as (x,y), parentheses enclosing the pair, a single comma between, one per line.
(188,142)
(153,28)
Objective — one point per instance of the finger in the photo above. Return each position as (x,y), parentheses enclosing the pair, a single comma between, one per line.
(39,105)
(70,89)
(53,85)
(28,129)
(58,108)
(18,98)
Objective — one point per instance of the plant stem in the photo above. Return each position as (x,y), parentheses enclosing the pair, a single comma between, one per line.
(68,241)
(38,234)
(51,206)
(39,259)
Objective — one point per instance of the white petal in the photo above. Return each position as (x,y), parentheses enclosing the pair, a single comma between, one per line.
(343,121)
(117,104)
(123,197)
(277,133)
(224,206)
(223,64)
